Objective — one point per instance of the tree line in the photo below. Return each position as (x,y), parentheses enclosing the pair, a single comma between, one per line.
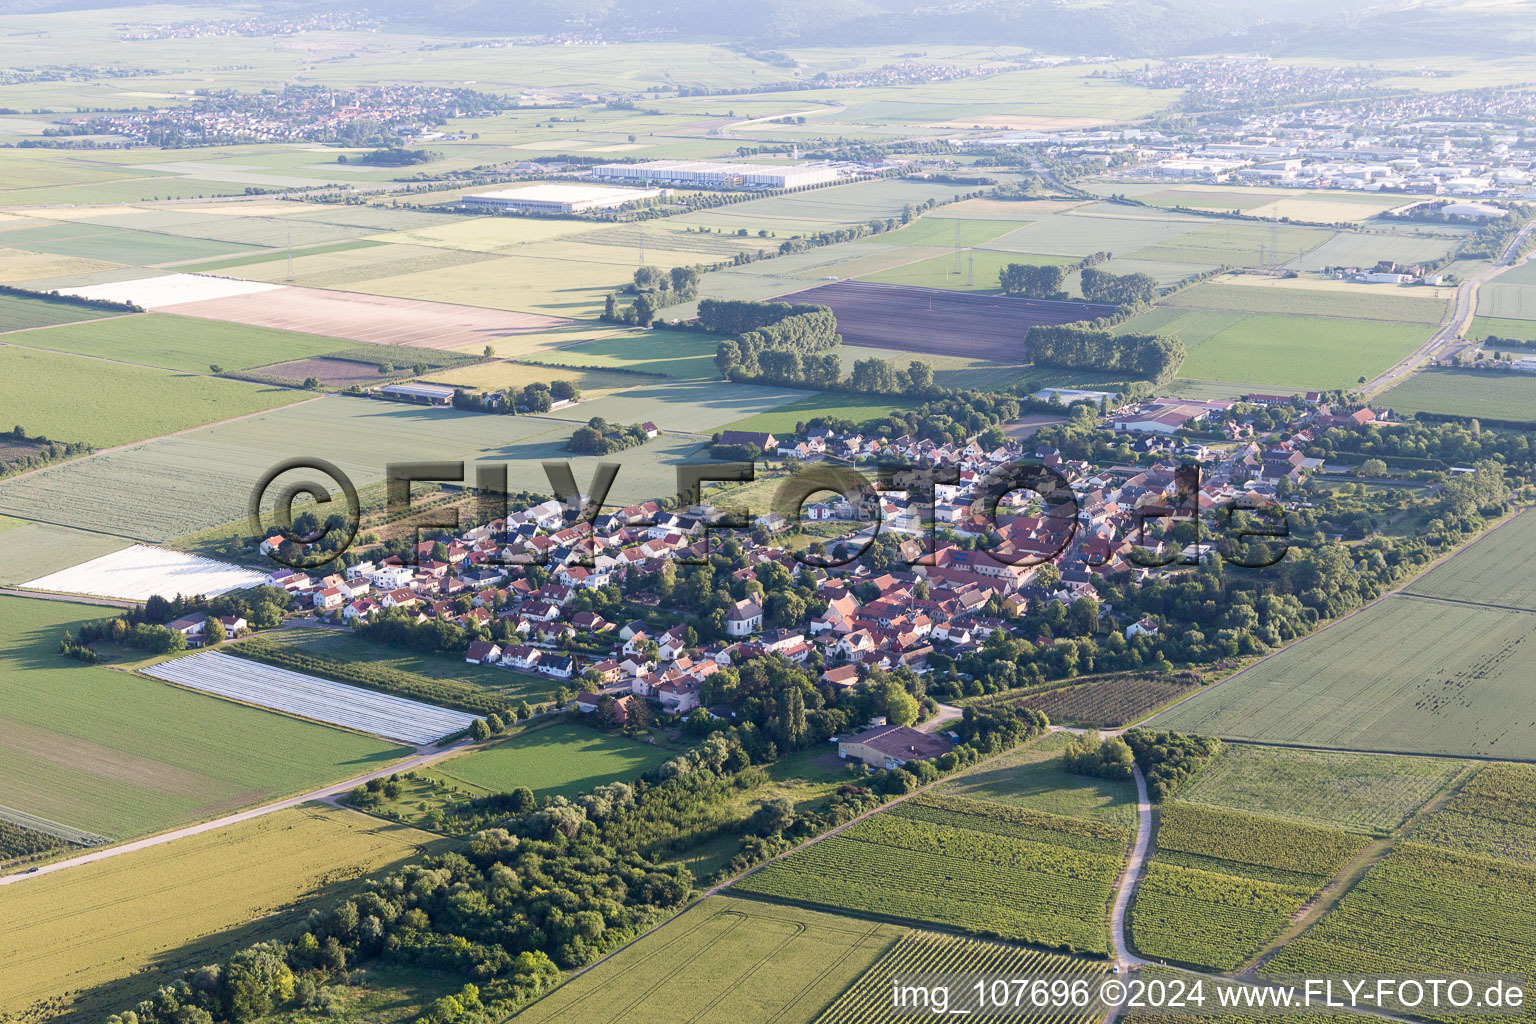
(1154,357)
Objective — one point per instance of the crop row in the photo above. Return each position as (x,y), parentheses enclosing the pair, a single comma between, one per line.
(923,836)
(868,1000)
(1108,704)
(1493,814)
(1019,822)
(1248,839)
(1207,919)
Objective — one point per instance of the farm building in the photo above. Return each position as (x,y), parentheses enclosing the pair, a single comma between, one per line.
(431,394)
(719,175)
(891,746)
(553,197)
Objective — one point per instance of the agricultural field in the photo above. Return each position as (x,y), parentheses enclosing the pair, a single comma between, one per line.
(118,404)
(564,759)
(924,320)
(1224,884)
(500,374)
(21,313)
(427,677)
(28,268)
(687,406)
(312,698)
(842,405)
(1033,778)
(138,573)
(1367,248)
(1097,227)
(36,549)
(1478,573)
(1405,675)
(120,755)
(1235,244)
(153,291)
(1282,351)
(920,953)
(1109,703)
(176,343)
(959,372)
(119,245)
(724,961)
(1493,814)
(1424,909)
(1371,793)
(1473,393)
(979,271)
(1486,327)
(990,869)
(668,353)
(1390,303)
(180,905)
(1507,301)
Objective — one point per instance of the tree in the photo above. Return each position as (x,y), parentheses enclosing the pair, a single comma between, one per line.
(774,816)
(645,309)
(489,351)
(213,630)
(1372,467)
(311,383)
(901,708)
(611,308)
(791,722)
(480,730)
(564,391)
(255,983)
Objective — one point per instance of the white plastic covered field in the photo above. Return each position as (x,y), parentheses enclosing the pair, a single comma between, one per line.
(170,289)
(139,572)
(321,700)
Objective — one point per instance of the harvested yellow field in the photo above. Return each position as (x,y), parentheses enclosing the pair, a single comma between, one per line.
(17,265)
(168,905)
(488,234)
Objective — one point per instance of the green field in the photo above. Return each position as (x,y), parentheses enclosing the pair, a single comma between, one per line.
(724,961)
(1394,304)
(1366,792)
(18,313)
(1366,249)
(1478,574)
(1236,244)
(1453,392)
(33,550)
(1099,227)
(671,353)
(686,406)
(178,342)
(1507,301)
(1279,350)
(1033,777)
(99,242)
(113,404)
(1492,814)
(1484,327)
(837,404)
(1407,674)
(180,905)
(1224,884)
(120,755)
(565,758)
(981,867)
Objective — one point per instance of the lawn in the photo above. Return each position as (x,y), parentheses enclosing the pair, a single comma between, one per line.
(564,759)
(113,404)
(1033,778)
(724,961)
(1472,393)
(857,408)
(1280,351)
(120,755)
(180,905)
(1365,792)
(1407,675)
(178,342)
(19,313)
(1479,573)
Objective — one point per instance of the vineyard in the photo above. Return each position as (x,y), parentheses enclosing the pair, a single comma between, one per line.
(1494,814)
(18,841)
(1111,703)
(993,871)
(1424,909)
(927,953)
(1224,884)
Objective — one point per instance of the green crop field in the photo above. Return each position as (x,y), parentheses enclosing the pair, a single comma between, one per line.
(1033,777)
(120,755)
(33,550)
(836,404)
(98,242)
(1366,249)
(112,404)
(20,313)
(1367,302)
(180,905)
(1407,675)
(725,961)
(936,229)
(178,342)
(686,406)
(1473,393)
(1278,350)
(920,953)
(987,868)
(979,270)
(1224,884)
(1507,301)
(671,353)
(1486,327)
(1235,244)
(1493,814)
(1366,792)
(564,758)
(1424,909)
(1478,573)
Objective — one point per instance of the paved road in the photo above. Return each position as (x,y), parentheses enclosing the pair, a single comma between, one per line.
(424,756)
(1130,878)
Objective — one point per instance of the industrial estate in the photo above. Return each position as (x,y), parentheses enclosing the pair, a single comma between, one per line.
(774,516)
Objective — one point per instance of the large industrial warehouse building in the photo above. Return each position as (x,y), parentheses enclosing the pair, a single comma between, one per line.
(554,197)
(703,174)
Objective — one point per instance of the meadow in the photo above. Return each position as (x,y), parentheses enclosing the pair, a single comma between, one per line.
(988,869)
(564,758)
(1235,244)
(920,953)
(1478,573)
(178,342)
(1471,393)
(180,905)
(120,755)
(114,404)
(1224,884)
(1371,793)
(1405,675)
(724,961)
(1279,350)
(1033,778)
(101,242)
(20,313)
